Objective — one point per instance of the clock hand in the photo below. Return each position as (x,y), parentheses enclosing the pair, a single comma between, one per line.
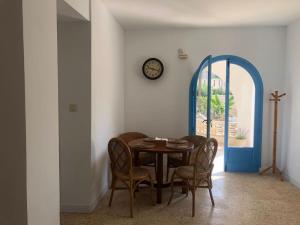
(149,68)
(153,68)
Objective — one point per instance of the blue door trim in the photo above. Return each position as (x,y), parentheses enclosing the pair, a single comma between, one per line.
(226,111)
(255,165)
(208,115)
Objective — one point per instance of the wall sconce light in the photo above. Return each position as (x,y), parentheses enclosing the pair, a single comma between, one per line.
(182,54)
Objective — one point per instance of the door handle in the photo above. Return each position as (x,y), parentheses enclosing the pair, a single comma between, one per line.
(205,121)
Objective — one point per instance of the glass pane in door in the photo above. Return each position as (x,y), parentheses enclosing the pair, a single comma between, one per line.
(217,106)
(217,102)
(241,108)
(201,113)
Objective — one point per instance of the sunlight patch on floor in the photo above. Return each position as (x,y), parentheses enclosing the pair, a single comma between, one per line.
(219,162)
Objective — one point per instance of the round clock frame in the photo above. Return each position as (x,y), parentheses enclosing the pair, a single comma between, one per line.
(160,65)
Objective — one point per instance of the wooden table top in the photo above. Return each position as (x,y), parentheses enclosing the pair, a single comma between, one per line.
(160,146)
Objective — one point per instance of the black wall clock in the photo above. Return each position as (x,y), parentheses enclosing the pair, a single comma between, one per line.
(153,68)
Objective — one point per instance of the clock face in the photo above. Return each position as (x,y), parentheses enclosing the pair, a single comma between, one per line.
(153,68)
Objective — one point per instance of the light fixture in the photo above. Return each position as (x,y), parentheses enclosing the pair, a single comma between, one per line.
(182,54)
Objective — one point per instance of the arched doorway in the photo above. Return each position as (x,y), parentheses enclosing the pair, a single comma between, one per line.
(226,102)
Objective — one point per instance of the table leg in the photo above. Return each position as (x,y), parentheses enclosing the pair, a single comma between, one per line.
(159,177)
(136,158)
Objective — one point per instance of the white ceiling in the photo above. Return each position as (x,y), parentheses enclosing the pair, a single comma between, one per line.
(204,13)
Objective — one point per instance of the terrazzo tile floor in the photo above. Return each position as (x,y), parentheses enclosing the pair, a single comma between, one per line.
(241,199)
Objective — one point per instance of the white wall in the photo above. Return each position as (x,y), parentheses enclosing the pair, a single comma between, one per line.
(41,98)
(107,91)
(291,107)
(74,79)
(160,108)
(91,75)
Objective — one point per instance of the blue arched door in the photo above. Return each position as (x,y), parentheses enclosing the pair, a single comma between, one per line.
(226,102)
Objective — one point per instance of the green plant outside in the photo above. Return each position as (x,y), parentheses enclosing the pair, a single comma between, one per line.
(217,106)
(241,134)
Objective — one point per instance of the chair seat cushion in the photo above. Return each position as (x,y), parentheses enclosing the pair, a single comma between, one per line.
(138,173)
(187,172)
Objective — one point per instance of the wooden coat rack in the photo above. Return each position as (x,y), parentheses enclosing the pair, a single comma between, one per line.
(275,171)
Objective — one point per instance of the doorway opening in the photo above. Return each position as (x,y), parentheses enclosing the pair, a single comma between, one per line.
(225,104)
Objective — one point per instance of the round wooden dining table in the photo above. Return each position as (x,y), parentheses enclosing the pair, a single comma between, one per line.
(159,148)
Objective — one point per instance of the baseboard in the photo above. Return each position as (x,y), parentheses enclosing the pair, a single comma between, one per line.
(75,208)
(96,200)
(84,208)
(291,180)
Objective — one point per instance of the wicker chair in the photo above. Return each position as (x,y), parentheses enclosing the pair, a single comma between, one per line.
(175,159)
(145,158)
(198,174)
(122,170)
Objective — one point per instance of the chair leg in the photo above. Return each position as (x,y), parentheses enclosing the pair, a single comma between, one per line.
(172,188)
(113,186)
(193,209)
(211,197)
(187,188)
(131,199)
(210,192)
